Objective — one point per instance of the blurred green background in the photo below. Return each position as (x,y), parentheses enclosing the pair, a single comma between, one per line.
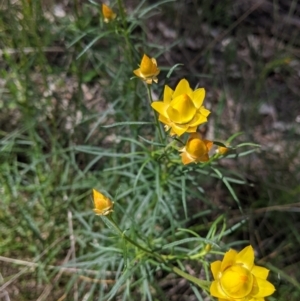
(64,75)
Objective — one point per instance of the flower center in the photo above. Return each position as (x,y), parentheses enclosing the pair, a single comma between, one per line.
(181,109)
(237,282)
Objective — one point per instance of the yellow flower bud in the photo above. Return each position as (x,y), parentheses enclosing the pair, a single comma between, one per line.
(108,13)
(207,248)
(148,70)
(196,149)
(222,150)
(102,204)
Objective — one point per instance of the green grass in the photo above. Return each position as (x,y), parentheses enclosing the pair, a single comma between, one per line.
(72,119)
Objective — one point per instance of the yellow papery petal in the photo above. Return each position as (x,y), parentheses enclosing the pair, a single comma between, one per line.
(265,288)
(192,129)
(186,158)
(229,259)
(198,97)
(172,133)
(246,257)
(168,94)
(260,272)
(154,61)
(178,130)
(204,111)
(146,65)
(204,158)
(198,119)
(216,291)
(138,73)
(165,120)
(160,107)
(183,87)
(150,80)
(208,144)
(215,268)
(181,109)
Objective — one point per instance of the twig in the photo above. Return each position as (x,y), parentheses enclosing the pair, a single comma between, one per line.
(15,277)
(48,288)
(63,297)
(27,50)
(34,265)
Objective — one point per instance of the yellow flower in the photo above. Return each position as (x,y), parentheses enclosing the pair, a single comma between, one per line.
(222,150)
(181,110)
(148,70)
(237,278)
(195,150)
(108,13)
(102,204)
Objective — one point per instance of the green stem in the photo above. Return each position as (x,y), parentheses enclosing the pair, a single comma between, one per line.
(122,13)
(155,115)
(125,30)
(129,56)
(189,257)
(201,283)
(109,217)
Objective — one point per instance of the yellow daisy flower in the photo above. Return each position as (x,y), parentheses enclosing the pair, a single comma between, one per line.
(237,278)
(102,204)
(182,110)
(148,70)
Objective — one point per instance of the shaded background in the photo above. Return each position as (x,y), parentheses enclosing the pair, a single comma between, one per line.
(55,79)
